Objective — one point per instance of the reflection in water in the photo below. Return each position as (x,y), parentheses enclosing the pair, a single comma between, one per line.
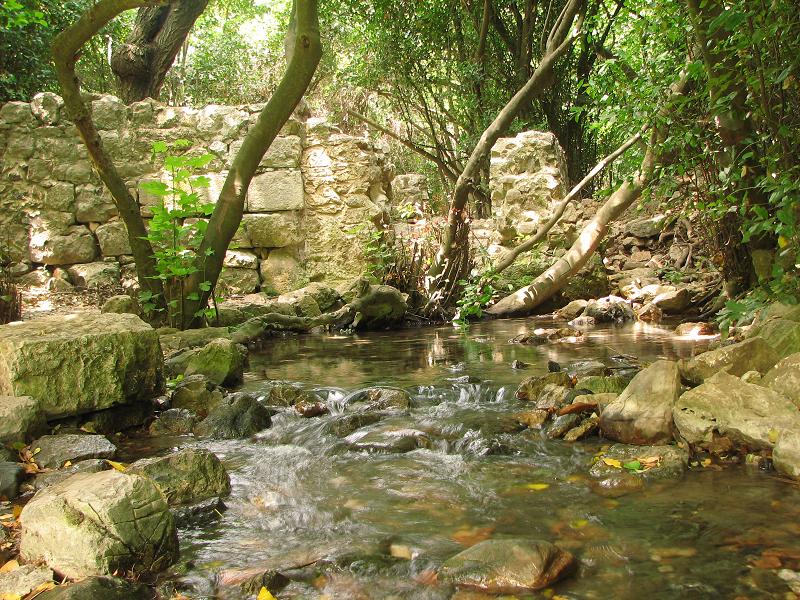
(376,525)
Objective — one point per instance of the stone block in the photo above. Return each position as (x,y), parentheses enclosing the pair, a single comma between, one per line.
(75,245)
(284,153)
(109,112)
(94,205)
(282,271)
(272,230)
(47,106)
(276,191)
(238,281)
(240,259)
(113,239)
(95,274)
(80,363)
(17,113)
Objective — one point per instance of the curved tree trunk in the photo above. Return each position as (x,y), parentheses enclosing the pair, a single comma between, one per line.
(66,51)
(142,62)
(304,56)
(455,236)
(526,299)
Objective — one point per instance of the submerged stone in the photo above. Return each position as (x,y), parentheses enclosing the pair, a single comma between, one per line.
(99,588)
(236,416)
(508,566)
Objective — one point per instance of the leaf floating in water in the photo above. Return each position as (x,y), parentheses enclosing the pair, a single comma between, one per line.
(537,487)
(264,594)
(612,462)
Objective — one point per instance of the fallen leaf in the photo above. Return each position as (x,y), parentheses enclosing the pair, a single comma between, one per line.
(537,487)
(612,462)
(633,465)
(10,597)
(67,464)
(9,566)
(773,435)
(768,562)
(264,594)
(117,465)
(41,588)
(427,577)
(471,536)
(400,551)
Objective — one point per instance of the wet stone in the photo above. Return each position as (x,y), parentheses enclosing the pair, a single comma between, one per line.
(175,421)
(531,388)
(11,476)
(659,463)
(236,416)
(561,425)
(55,450)
(311,409)
(196,393)
(584,429)
(391,438)
(284,394)
(553,397)
(379,399)
(508,566)
(532,418)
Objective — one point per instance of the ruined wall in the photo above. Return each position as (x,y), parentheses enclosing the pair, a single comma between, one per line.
(60,227)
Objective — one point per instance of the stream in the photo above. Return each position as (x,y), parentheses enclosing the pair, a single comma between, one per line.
(353,525)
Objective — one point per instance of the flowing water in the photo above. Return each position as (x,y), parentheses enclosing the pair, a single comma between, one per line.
(355,525)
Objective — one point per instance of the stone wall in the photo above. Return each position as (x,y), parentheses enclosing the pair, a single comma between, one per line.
(60,227)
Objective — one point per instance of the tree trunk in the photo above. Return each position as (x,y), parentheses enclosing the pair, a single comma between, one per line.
(736,131)
(227,215)
(526,299)
(455,235)
(66,51)
(142,62)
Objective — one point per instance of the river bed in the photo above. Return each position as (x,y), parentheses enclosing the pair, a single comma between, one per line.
(355,525)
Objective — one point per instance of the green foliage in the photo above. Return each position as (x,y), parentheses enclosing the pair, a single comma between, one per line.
(27,29)
(477,293)
(376,251)
(178,227)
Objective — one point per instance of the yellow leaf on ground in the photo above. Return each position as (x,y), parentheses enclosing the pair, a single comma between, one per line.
(117,465)
(613,462)
(537,487)
(9,566)
(42,587)
(264,594)
(10,597)
(773,435)
(67,464)
(706,462)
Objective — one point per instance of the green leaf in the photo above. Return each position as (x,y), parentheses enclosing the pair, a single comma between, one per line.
(633,465)
(157,188)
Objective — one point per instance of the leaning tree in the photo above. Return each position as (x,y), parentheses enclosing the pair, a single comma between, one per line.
(303,54)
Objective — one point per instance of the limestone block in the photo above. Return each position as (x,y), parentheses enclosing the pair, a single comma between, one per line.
(239,281)
(113,238)
(283,153)
(80,363)
(20,146)
(47,106)
(75,245)
(19,417)
(527,174)
(99,523)
(225,122)
(18,114)
(59,196)
(109,112)
(94,205)
(282,271)
(95,274)
(272,230)
(274,191)
(143,112)
(240,259)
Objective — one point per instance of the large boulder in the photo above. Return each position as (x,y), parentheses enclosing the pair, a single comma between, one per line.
(783,378)
(642,413)
(99,588)
(221,361)
(782,334)
(753,354)
(786,455)
(508,566)
(80,363)
(20,417)
(750,416)
(98,524)
(185,477)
